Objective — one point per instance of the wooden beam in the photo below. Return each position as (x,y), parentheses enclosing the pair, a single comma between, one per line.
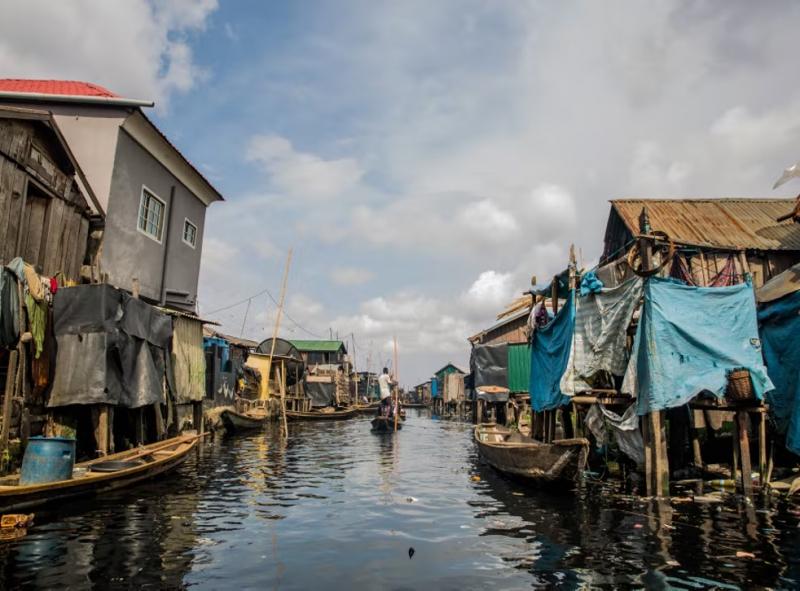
(744,452)
(11,378)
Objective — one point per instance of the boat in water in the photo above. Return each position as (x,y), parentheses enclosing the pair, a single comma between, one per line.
(562,461)
(100,475)
(235,421)
(385,424)
(321,415)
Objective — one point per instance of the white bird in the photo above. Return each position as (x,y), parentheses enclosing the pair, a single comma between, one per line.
(788,174)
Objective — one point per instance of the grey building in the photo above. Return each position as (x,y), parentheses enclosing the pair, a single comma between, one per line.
(148,201)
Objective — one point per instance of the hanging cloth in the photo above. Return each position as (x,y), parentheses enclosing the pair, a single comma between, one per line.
(727,275)
(9,309)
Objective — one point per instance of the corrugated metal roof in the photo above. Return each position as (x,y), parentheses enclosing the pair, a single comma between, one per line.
(306,346)
(723,223)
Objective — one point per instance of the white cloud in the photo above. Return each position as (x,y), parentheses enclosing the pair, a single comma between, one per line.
(135,48)
(299,174)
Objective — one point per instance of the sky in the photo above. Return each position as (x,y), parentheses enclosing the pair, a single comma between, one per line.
(424,159)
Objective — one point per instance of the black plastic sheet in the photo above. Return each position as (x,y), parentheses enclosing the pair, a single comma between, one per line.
(489,365)
(321,393)
(111,348)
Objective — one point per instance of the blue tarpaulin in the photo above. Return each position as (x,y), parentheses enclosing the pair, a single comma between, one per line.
(780,327)
(689,338)
(550,350)
(434,388)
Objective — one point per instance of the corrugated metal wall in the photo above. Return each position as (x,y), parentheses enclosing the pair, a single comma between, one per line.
(519,367)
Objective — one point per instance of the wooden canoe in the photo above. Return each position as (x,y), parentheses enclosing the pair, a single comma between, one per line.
(512,453)
(145,462)
(316,415)
(236,421)
(367,408)
(415,405)
(385,424)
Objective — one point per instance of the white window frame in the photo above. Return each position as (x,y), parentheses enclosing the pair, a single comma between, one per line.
(160,238)
(183,232)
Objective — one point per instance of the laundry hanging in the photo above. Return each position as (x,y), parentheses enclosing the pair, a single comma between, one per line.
(600,337)
(550,352)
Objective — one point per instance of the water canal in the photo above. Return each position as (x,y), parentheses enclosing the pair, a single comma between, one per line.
(339,508)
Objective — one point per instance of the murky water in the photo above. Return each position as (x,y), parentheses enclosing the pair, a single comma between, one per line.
(340,508)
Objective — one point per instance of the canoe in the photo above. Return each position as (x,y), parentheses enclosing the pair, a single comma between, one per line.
(367,408)
(512,453)
(415,405)
(235,421)
(315,415)
(385,424)
(100,475)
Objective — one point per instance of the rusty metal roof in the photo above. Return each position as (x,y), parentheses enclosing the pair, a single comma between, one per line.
(722,223)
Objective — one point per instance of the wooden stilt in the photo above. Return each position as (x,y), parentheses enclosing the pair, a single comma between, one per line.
(735,445)
(660,462)
(7,400)
(101,430)
(158,421)
(648,457)
(694,433)
(566,421)
(762,448)
(744,452)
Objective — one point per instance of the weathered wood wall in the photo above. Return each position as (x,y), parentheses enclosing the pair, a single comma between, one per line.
(44,218)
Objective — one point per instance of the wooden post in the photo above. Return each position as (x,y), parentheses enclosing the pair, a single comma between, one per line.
(735,445)
(762,448)
(397,385)
(744,452)
(11,378)
(101,428)
(566,421)
(274,338)
(695,435)
(554,294)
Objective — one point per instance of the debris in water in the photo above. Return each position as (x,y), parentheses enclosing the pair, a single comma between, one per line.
(410,553)
(411,500)
(475,478)
(742,554)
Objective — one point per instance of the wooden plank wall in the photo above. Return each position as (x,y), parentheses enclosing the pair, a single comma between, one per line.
(52,230)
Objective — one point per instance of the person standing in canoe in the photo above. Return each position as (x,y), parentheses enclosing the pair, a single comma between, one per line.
(385,384)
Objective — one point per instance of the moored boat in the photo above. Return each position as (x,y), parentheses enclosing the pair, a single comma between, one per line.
(100,475)
(234,421)
(371,408)
(318,415)
(510,452)
(415,404)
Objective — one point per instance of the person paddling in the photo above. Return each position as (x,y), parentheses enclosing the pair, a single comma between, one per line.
(385,383)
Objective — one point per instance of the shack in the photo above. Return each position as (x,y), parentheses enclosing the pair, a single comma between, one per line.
(227,374)
(328,372)
(448,399)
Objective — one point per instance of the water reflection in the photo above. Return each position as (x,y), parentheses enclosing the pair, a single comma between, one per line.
(339,507)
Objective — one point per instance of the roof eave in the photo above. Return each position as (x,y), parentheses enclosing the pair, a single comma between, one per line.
(74,98)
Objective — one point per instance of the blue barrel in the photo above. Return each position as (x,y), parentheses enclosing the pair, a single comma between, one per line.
(47,459)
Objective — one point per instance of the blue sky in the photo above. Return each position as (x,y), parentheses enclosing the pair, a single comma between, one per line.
(425,158)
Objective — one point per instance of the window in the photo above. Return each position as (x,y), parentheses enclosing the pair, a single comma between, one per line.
(151,215)
(189,233)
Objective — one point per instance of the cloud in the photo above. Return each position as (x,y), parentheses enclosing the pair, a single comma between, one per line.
(299,174)
(458,170)
(135,48)
(350,276)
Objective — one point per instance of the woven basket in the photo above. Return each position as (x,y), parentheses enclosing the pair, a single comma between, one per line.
(740,386)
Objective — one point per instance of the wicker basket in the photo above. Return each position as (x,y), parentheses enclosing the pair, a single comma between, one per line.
(740,386)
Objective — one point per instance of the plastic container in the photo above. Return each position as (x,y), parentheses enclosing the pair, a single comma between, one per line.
(47,459)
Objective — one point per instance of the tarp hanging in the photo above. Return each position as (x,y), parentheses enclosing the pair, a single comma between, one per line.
(188,360)
(780,326)
(599,342)
(551,346)
(111,348)
(489,365)
(779,286)
(625,427)
(687,341)
(320,393)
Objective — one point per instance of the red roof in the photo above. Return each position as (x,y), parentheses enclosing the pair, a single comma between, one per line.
(62,87)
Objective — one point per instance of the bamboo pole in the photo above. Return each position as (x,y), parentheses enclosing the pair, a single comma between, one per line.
(397,386)
(275,337)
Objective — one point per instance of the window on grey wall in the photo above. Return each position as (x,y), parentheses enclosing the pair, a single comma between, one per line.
(151,214)
(189,233)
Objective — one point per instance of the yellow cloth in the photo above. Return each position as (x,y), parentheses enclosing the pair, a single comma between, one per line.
(35,287)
